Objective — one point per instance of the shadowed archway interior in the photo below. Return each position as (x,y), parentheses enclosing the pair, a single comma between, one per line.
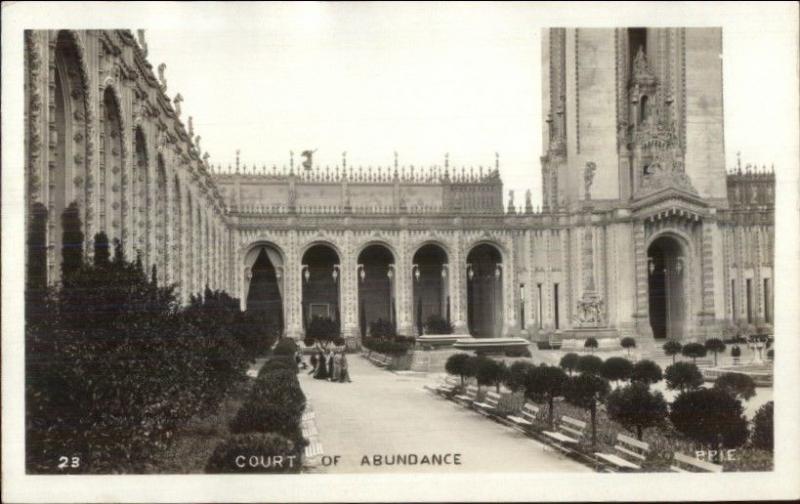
(431,298)
(484,291)
(666,269)
(265,294)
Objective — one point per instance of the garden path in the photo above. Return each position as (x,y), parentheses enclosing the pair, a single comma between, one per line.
(386,413)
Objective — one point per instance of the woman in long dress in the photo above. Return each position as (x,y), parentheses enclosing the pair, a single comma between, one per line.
(344,374)
(337,367)
(321,372)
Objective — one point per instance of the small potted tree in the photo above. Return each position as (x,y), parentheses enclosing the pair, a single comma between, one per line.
(736,353)
(672,348)
(628,343)
(694,351)
(591,344)
(715,346)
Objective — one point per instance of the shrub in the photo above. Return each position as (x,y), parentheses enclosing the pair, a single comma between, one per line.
(683,376)
(590,343)
(590,364)
(715,346)
(438,325)
(490,372)
(694,351)
(738,385)
(275,404)
(517,375)
(517,352)
(647,372)
(263,446)
(636,408)
(382,329)
(586,391)
(457,364)
(397,346)
(569,362)
(285,346)
(711,417)
(628,343)
(616,368)
(545,383)
(763,429)
(274,363)
(672,348)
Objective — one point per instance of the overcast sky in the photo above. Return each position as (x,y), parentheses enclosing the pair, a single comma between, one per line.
(423,80)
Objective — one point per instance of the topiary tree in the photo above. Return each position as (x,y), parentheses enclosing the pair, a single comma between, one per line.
(517,375)
(489,372)
(647,372)
(672,348)
(586,391)
(545,383)
(683,376)
(694,351)
(711,417)
(715,346)
(590,364)
(102,250)
(569,362)
(457,364)
(763,429)
(739,385)
(628,343)
(591,344)
(71,240)
(616,369)
(636,408)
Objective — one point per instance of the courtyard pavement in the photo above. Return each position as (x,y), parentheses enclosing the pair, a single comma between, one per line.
(384,413)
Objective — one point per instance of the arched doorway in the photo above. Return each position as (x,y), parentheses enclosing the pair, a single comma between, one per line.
(320,278)
(485,291)
(666,269)
(376,301)
(265,289)
(111,180)
(431,297)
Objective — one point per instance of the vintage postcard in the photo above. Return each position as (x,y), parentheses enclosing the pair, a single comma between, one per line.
(396,252)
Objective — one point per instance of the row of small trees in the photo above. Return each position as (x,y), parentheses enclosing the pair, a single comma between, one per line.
(713,416)
(114,365)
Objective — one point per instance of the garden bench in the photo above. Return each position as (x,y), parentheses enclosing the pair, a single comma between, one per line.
(469,396)
(526,417)
(447,386)
(489,404)
(307,416)
(314,448)
(309,429)
(380,360)
(365,352)
(568,432)
(632,452)
(685,463)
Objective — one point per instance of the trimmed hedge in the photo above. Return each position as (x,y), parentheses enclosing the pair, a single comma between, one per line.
(396,346)
(285,346)
(255,453)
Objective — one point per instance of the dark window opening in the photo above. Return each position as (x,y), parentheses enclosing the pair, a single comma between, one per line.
(637,38)
(749,301)
(767,313)
(555,305)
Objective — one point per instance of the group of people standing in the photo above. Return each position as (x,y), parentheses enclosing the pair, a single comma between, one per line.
(330,365)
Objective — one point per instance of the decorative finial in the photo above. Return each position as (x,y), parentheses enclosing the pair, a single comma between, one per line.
(588,178)
(237,160)
(739,160)
(497,161)
(344,160)
(191,127)
(206,155)
(528,204)
(511,201)
(162,80)
(177,102)
(197,142)
(446,160)
(395,161)
(142,41)
(291,162)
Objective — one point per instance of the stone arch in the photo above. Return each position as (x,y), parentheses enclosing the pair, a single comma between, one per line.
(265,283)
(113,179)
(70,150)
(670,278)
(430,287)
(140,186)
(177,226)
(320,282)
(377,285)
(484,266)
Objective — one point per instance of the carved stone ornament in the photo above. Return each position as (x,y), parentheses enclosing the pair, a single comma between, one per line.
(589,312)
(588,178)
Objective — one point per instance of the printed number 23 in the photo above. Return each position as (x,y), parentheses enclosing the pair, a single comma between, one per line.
(67,462)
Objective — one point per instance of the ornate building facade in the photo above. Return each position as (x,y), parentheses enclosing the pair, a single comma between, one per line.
(642,231)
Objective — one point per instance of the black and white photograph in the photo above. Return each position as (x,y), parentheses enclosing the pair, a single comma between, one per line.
(399,252)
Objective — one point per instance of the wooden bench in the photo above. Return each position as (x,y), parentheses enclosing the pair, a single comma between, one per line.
(569,432)
(469,396)
(630,453)
(526,417)
(445,387)
(685,463)
(489,404)
(380,360)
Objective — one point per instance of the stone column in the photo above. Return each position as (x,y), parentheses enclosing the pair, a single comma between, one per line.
(403,286)
(293,288)
(348,290)
(458,293)
(642,315)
